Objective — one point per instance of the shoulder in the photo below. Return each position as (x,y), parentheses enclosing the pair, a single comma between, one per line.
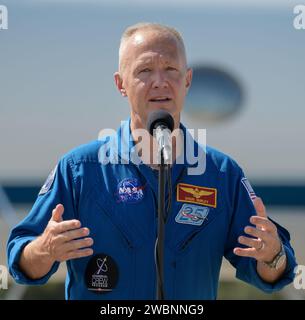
(85,153)
(221,162)
(216,162)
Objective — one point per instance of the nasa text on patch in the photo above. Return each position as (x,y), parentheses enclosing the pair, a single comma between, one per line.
(129,190)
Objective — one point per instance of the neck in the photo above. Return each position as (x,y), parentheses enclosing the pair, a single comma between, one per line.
(146,148)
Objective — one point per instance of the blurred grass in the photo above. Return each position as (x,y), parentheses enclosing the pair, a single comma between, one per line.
(228,290)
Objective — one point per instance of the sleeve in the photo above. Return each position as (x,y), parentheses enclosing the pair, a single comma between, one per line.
(243,208)
(59,187)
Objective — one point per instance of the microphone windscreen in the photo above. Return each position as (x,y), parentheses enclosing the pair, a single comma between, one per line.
(159,117)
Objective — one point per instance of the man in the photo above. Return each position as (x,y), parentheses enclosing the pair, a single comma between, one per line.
(101,217)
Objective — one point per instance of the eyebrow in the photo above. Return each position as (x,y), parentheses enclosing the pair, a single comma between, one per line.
(142,64)
(148,61)
(144,61)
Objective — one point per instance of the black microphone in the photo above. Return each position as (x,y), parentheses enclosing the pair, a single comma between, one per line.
(160,124)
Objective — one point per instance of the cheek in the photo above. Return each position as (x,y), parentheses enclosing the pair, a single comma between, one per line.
(133,87)
(177,79)
(179,86)
(137,91)
(142,88)
(138,83)
(141,84)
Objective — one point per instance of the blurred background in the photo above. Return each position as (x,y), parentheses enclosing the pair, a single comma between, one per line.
(57,60)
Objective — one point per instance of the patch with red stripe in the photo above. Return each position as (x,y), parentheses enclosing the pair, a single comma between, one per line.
(249,188)
(196,194)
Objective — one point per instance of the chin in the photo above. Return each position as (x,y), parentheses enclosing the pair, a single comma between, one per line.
(169,108)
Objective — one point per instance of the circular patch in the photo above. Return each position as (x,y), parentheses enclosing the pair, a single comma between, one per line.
(130,190)
(101,274)
(48,183)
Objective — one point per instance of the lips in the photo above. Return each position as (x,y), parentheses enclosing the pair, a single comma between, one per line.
(160,99)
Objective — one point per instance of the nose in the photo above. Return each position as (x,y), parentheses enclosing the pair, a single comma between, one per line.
(159,80)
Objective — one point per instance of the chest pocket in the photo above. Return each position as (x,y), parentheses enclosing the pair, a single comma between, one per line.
(197,212)
(188,222)
(96,213)
(134,221)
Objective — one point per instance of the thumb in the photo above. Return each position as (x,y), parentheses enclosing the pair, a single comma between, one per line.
(57,213)
(259,207)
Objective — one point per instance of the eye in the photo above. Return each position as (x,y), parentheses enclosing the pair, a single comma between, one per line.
(145,70)
(170,68)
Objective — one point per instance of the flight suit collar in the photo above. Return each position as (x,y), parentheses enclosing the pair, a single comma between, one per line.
(128,153)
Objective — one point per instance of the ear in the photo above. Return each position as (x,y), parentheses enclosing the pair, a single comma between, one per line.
(189,76)
(119,84)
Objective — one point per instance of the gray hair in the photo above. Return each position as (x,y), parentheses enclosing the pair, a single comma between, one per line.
(131,30)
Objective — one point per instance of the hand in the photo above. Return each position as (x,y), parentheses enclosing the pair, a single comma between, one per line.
(59,238)
(267,243)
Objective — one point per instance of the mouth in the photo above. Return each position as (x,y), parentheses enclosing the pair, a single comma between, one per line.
(160,100)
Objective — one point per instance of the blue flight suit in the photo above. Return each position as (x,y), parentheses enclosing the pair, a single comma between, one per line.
(118,203)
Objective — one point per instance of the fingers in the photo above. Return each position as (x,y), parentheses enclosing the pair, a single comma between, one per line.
(263,223)
(259,207)
(265,240)
(67,226)
(76,249)
(78,254)
(74,234)
(65,250)
(77,244)
(248,252)
(57,213)
(254,243)
(256,233)
(64,240)
(63,226)
(262,248)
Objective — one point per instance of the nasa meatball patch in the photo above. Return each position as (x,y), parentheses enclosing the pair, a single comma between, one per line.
(48,183)
(129,190)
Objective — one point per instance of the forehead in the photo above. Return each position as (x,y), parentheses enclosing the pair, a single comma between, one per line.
(151,43)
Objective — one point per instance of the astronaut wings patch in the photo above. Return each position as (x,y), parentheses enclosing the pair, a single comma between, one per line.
(48,183)
(249,188)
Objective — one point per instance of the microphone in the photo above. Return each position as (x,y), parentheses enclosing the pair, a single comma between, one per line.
(160,124)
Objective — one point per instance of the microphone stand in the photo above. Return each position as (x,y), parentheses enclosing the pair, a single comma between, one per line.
(161,221)
(160,125)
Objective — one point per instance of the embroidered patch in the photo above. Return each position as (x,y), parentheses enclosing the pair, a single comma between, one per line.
(101,274)
(192,214)
(130,190)
(196,194)
(249,188)
(48,183)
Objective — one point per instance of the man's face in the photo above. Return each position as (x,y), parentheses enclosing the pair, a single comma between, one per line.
(153,75)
